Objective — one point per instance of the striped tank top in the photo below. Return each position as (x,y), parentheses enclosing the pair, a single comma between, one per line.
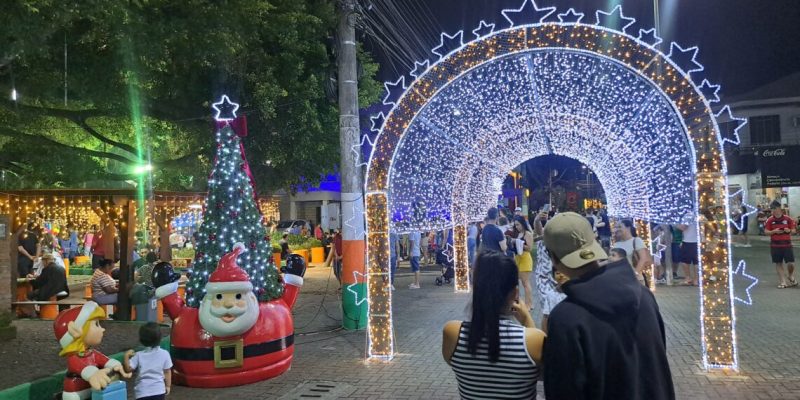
(513,376)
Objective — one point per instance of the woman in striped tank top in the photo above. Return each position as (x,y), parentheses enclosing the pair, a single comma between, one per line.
(493,356)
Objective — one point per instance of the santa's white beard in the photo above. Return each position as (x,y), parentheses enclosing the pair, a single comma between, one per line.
(211,317)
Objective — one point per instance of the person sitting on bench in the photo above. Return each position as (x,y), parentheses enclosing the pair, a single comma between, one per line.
(51,282)
(104,289)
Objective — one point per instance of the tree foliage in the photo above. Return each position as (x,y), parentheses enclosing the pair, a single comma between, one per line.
(154,67)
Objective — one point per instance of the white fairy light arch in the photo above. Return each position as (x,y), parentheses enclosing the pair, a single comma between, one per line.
(589,92)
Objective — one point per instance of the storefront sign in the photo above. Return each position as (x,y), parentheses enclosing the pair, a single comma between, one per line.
(780,166)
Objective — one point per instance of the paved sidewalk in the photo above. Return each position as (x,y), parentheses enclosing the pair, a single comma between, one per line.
(768,333)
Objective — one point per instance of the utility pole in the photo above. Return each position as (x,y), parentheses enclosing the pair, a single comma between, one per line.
(354,306)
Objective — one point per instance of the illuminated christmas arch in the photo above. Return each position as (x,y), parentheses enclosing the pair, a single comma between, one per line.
(556,86)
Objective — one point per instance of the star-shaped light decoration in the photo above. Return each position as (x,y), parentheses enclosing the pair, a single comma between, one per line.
(609,19)
(731,137)
(357,231)
(394,90)
(225,109)
(710,91)
(686,59)
(420,68)
(358,149)
(649,36)
(741,273)
(657,247)
(377,122)
(448,43)
(483,29)
(739,224)
(449,252)
(350,289)
(527,13)
(571,16)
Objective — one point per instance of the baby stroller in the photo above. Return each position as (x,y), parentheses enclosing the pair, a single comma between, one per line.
(448,272)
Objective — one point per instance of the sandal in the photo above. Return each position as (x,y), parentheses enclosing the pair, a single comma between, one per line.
(782,286)
(792,283)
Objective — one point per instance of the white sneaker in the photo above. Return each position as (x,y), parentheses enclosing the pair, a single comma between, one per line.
(393,288)
(747,245)
(413,286)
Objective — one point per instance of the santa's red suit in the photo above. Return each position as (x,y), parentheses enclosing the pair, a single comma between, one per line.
(203,360)
(81,366)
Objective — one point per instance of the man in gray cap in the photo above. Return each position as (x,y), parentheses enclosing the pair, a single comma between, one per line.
(606,339)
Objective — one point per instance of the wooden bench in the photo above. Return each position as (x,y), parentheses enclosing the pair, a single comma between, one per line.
(48,310)
(87,295)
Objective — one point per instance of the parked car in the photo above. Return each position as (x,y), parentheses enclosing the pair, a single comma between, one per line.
(292,226)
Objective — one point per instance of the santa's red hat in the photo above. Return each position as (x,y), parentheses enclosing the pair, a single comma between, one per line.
(79,315)
(228,276)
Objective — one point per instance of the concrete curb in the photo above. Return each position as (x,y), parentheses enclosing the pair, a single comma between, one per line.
(48,387)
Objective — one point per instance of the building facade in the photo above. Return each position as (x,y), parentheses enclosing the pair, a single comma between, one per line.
(766,165)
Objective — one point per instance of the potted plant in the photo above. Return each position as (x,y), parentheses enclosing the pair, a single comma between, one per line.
(317,251)
(299,245)
(276,254)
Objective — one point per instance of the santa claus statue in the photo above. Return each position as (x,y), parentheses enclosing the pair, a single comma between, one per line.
(232,338)
(78,330)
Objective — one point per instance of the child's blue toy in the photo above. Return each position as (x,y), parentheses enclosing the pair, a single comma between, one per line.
(117,390)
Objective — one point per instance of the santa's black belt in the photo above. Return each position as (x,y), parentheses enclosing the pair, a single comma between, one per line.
(250,350)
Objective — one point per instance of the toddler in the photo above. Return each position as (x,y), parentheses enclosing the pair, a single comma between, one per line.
(617,254)
(152,365)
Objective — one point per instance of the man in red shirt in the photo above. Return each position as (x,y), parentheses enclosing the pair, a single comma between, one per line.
(338,253)
(780,227)
(98,250)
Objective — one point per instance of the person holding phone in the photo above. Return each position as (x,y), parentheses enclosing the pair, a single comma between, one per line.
(780,228)
(497,353)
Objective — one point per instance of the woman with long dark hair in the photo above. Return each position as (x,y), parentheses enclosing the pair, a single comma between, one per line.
(493,356)
(523,236)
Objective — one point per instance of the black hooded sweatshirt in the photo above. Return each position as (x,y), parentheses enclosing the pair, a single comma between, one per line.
(606,340)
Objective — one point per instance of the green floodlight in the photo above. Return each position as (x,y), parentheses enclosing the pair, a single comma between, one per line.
(142,169)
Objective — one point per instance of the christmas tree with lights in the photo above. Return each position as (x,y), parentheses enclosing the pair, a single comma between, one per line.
(232,215)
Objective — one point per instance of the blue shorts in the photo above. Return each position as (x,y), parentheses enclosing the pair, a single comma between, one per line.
(689,253)
(676,252)
(415,264)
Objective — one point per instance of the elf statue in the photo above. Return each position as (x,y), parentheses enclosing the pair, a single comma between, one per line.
(78,330)
(232,338)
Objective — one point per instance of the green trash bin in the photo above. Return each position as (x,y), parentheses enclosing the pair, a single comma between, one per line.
(143,299)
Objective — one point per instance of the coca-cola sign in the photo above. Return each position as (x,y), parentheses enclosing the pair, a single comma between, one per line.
(779,166)
(774,152)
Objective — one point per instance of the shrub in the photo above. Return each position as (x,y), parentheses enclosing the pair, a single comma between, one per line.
(5,319)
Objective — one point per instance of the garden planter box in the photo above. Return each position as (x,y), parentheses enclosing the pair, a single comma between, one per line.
(317,254)
(82,260)
(276,256)
(81,271)
(303,253)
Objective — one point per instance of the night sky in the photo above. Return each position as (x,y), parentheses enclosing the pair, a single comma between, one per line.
(743,43)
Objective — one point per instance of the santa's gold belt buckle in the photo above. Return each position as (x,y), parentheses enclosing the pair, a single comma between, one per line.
(238,349)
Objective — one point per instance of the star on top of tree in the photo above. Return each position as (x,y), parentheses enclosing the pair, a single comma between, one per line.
(225,109)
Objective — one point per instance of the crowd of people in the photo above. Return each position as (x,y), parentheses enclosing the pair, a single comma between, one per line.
(43,248)
(594,298)
(598,313)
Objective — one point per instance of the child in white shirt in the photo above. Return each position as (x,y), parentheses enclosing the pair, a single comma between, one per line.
(152,365)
